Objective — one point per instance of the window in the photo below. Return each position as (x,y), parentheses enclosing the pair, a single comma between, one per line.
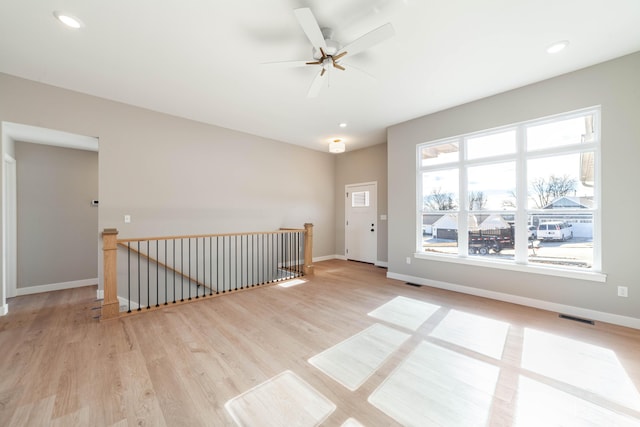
(523,194)
(360,199)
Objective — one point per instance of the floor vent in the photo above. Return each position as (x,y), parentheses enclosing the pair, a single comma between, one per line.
(577,319)
(412,284)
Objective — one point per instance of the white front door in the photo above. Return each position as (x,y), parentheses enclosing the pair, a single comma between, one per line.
(361,227)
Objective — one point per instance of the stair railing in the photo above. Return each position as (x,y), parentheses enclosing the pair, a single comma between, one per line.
(160,271)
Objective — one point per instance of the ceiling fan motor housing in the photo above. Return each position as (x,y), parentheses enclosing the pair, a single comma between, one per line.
(332,48)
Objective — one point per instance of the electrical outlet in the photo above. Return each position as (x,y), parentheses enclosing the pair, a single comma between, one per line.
(623,291)
(127,219)
(408,260)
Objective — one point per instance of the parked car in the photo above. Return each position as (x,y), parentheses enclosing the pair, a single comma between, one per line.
(556,230)
(532,232)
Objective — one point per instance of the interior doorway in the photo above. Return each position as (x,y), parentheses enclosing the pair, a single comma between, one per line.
(12,134)
(361,227)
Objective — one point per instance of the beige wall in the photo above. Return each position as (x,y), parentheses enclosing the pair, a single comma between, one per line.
(355,167)
(616,87)
(175,176)
(57,225)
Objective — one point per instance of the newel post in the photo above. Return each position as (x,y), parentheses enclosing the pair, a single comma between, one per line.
(307,269)
(110,304)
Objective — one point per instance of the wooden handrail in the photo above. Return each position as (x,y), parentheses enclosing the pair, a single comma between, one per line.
(195,236)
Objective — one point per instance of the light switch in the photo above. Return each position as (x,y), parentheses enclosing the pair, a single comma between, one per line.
(127,219)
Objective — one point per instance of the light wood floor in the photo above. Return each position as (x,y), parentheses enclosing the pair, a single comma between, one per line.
(474,361)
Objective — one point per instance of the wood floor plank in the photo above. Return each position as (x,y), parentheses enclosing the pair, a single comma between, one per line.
(179,366)
(142,404)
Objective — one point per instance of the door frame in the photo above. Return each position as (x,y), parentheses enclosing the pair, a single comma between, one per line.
(12,132)
(346,210)
(10,244)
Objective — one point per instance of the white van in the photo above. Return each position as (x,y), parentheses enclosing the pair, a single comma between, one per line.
(557,230)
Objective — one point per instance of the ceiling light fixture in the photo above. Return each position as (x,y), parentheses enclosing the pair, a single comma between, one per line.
(336,146)
(68,20)
(343,125)
(558,46)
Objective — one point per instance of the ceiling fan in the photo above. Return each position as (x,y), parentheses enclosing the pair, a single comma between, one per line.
(327,53)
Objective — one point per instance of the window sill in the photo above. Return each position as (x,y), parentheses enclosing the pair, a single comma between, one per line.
(549,271)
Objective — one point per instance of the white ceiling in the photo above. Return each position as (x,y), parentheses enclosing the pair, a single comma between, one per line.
(203,59)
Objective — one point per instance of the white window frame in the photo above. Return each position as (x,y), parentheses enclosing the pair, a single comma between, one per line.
(520,263)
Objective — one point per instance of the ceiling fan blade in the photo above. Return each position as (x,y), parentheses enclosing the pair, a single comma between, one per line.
(316,85)
(340,55)
(285,64)
(322,72)
(338,66)
(310,27)
(370,39)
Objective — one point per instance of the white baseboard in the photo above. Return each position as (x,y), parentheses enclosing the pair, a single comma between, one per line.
(616,319)
(344,258)
(328,257)
(121,300)
(4,309)
(55,287)
(125,302)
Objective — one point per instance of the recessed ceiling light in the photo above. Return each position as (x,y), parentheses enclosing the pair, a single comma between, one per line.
(68,20)
(558,46)
(343,125)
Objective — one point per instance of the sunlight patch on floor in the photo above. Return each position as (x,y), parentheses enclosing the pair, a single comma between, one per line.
(541,405)
(292,282)
(431,386)
(355,359)
(477,333)
(351,422)
(405,312)
(284,400)
(580,364)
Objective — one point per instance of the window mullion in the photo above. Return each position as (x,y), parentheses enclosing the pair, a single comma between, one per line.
(521,237)
(463,215)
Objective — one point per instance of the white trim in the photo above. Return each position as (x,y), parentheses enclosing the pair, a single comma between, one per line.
(125,302)
(100,294)
(525,268)
(4,309)
(378,263)
(38,135)
(616,319)
(328,257)
(9,227)
(56,286)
